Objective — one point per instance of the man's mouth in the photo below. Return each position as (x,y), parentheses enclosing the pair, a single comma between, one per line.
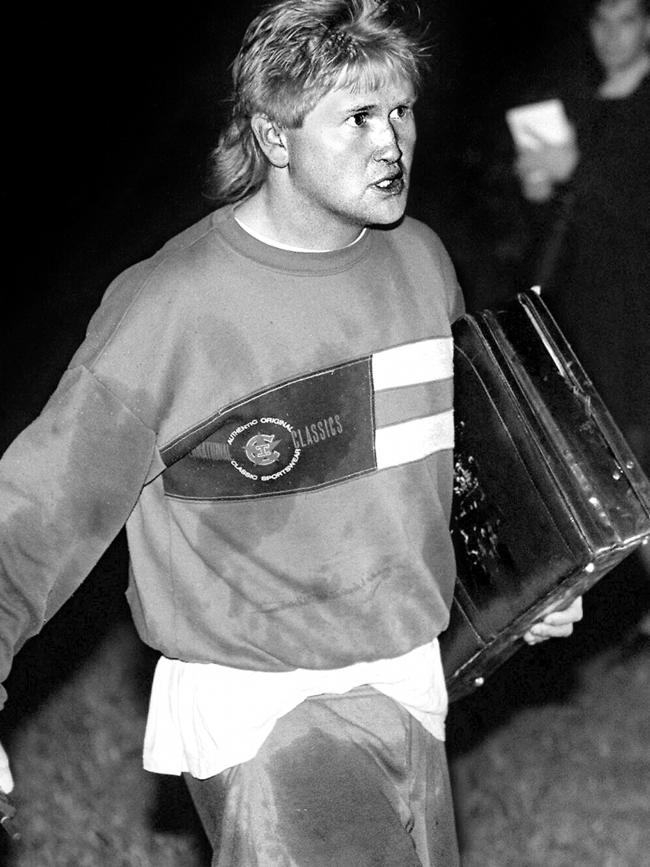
(392,184)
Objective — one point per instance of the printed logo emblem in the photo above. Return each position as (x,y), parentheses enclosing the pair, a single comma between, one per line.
(262,450)
(303,434)
(271,446)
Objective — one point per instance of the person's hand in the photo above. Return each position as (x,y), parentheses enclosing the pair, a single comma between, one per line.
(557,624)
(6,779)
(541,167)
(536,185)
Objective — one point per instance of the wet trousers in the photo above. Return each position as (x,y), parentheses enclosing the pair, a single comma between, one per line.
(347,780)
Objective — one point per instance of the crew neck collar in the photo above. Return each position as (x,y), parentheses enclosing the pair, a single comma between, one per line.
(288,260)
(280,246)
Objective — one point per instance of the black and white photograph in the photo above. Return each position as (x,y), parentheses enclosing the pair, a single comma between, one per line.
(325,435)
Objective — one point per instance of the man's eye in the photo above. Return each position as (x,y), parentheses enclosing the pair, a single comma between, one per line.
(401,111)
(358,119)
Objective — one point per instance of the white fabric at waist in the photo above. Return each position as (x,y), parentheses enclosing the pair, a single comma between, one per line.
(204,718)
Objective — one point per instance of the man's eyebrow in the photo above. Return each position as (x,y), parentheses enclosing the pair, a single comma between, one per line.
(358,108)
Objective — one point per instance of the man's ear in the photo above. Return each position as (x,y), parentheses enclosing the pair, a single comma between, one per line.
(270,137)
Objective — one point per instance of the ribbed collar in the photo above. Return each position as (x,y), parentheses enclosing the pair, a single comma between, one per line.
(288,261)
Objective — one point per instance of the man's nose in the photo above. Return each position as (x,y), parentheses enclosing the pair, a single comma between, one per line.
(387,148)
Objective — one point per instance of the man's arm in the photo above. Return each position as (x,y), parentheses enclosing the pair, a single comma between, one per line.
(67,486)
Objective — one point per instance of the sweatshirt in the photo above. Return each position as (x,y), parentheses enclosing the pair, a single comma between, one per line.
(275,428)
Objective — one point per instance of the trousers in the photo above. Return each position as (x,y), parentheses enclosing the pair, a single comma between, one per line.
(348,780)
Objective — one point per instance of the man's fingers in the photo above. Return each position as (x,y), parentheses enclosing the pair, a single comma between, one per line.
(557,624)
(569,615)
(541,631)
(6,779)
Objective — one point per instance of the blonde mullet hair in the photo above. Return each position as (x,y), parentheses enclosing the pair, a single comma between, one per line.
(293,53)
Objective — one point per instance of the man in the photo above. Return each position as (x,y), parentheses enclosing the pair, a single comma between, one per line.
(266,403)
(593,198)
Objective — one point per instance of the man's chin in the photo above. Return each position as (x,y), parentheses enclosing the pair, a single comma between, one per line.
(386,217)
(389,211)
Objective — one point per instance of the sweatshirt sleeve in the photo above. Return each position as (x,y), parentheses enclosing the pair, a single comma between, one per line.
(67,486)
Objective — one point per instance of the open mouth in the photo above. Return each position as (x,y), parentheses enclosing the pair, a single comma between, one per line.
(392,185)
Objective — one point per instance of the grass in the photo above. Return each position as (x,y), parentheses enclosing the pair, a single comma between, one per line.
(564,783)
(550,761)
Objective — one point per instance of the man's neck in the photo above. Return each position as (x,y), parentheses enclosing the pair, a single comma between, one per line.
(262,217)
(621,83)
(291,247)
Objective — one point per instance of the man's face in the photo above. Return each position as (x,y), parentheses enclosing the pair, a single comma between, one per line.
(619,31)
(349,162)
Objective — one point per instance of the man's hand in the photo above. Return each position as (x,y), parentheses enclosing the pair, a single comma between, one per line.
(557,624)
(6,780)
